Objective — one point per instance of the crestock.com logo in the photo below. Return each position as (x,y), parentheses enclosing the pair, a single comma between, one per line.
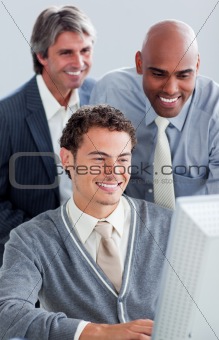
(25,161)
(52,160)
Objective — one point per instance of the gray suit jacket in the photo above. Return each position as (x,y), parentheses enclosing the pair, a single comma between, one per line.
(28,179)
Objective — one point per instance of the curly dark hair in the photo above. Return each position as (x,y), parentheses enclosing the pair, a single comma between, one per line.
(89,116)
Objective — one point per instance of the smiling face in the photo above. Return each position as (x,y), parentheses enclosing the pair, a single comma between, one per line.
(169,63)
(67,64)
(100,173)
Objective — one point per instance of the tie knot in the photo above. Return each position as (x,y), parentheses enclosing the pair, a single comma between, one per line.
(161,123)
(104,228)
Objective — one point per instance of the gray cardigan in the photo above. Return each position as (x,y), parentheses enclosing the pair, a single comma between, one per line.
(45,259)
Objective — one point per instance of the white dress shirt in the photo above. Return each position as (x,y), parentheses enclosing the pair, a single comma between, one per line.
(84,225)
(57,117)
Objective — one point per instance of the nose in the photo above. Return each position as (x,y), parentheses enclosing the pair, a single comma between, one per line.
(171,86)
(77,61)
(108,168)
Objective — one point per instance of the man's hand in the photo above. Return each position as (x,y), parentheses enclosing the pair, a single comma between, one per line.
(134,330)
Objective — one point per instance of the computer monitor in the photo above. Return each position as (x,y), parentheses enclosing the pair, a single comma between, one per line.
(188,303)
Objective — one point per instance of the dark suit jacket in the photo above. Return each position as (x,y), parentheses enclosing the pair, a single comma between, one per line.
(28,179)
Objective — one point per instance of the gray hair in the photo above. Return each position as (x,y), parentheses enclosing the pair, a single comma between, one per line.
(53,21)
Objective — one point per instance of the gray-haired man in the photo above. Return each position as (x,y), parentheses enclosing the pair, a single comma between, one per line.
(32,118)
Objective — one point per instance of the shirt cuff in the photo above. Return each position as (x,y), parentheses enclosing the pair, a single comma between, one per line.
(80,329)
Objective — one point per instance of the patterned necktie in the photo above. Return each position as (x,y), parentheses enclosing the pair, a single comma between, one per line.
(163,178)
(108,254)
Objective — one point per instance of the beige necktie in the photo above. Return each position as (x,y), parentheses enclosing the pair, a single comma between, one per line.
(108,254)
(163,178)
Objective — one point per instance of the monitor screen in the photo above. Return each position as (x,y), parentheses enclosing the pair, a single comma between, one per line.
(188,304)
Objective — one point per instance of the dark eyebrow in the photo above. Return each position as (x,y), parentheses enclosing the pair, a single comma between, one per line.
(87,47)
(100,153)
(189,70)
(124,154)
(155,69)
(65,50)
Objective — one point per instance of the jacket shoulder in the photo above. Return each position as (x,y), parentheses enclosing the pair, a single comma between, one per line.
(17,96)
(125,77)
(20,90)
(88,84)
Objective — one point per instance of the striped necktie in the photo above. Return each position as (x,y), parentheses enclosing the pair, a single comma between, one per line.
(163,177)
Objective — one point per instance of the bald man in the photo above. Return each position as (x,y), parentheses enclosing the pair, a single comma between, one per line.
(166,83)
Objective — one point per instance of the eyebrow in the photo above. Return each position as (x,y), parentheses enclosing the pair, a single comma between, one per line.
(155,69)
(87,47)
(101,153)
(61,50)
(188,70)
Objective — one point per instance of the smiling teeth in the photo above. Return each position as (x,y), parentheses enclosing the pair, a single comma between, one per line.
(74,73)
(168,100)
(107,185)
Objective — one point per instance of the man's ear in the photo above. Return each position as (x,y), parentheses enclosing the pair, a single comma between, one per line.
(41,59)
(198,64)
(66,158)
(138,62)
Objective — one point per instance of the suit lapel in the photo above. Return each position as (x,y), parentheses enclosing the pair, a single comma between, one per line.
(38,125)
(39,129)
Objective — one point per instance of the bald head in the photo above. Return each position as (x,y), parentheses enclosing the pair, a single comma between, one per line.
(169,62)
(172,34)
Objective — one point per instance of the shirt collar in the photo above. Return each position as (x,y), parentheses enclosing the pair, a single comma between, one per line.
(177,121)
(50,104)
(85,224)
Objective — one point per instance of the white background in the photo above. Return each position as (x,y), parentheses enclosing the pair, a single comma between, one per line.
(121,26)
